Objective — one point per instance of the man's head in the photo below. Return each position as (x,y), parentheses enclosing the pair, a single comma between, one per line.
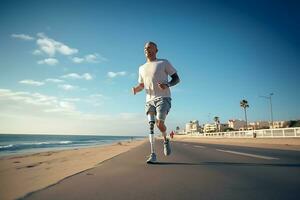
(150,50)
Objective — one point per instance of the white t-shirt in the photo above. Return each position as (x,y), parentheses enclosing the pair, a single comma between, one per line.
(152,73)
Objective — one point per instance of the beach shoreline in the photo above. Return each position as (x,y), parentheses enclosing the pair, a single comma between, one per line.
(26,173)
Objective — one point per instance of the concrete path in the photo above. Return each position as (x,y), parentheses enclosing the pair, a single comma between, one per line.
(193,171)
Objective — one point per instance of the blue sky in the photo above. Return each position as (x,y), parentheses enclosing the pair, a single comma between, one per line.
(68,66)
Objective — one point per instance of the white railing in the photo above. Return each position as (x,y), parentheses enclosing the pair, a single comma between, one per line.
(263,133)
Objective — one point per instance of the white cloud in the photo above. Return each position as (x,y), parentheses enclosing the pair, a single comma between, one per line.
(72,76)
(40,102)
(67,87)
(62,106)
(37,52)
(65,50)
(47,46)
(95,58)
(77,60)
(72,99)
(51,47)
(25,112)
(85,76)
(54,80)
(115,74)
(96,99)
(22,37)
(93,99)
(4,92)
(90,58)
(32,82)
(48,61)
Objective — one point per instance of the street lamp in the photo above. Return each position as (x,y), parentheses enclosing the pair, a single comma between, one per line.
(271,108)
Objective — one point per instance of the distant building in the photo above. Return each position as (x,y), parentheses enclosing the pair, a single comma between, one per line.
(181,132)
(192,127)
(236,124)
(188,127)
(280,124)
(249,128)
(223,127)
(209,128)
(259,125)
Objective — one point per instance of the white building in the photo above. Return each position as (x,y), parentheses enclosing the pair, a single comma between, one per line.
(192,127)
(209,128)
(236,124)
(279,124)
(259,125)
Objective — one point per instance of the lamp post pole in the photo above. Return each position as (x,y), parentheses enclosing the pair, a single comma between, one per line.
(271,107)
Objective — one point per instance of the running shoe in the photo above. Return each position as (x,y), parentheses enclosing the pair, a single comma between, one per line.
(152,158)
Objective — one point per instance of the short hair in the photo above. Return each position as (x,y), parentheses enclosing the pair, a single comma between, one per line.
(153,43)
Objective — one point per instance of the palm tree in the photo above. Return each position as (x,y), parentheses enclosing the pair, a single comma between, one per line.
(244,104)
(217,121)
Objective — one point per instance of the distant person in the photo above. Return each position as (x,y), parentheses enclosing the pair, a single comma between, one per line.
(172,134)
(153,76)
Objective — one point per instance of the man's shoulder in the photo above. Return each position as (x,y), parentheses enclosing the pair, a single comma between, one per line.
(159,61)
(142,66)
(163,60)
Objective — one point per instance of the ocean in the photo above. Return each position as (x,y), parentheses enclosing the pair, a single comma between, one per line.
(12,144)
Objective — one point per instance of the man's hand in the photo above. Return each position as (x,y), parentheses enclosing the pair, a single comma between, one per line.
(133,91)
(162,86)
(138,88)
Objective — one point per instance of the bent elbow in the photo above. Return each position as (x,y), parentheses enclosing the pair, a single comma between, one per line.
(177,79)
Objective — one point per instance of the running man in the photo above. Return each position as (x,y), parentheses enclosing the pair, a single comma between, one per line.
(153,76)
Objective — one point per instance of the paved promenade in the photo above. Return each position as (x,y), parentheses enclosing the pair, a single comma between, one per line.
(193,171)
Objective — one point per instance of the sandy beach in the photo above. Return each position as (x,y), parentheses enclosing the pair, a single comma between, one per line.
(23,174)
(271,143)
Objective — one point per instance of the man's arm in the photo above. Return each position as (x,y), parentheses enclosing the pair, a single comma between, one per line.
(175,80)
(138,88)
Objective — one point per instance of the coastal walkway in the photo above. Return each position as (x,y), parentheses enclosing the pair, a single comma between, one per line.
(192,171)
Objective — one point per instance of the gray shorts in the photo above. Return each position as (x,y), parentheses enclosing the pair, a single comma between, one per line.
(160,106)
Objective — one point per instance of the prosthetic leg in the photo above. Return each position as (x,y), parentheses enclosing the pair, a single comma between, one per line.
(152,158)
(151,119)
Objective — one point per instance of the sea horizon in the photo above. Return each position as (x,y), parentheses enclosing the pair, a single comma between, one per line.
(15,144)
(87,134)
